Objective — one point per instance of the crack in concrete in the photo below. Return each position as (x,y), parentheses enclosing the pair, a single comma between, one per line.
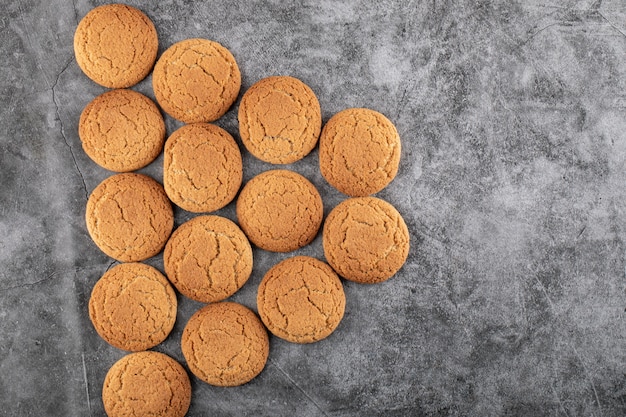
(75,12)
(29,284)
(610,23)
(85,380)
(52,88)
(62,128)
(295,384)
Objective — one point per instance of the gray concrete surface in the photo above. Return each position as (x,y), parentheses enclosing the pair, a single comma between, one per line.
(512,182)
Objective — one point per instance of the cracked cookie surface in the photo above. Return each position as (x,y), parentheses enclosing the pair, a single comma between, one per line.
(133,307)
(196,80)
(365,240)
(129,217)
(301,299)
(208,258)
(225,344)
(280,210)
(202,167)
(122,130)
(279,119)
(116,45)
(146,384)
(359,152)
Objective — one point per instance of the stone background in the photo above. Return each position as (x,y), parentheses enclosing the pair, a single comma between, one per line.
(512,181)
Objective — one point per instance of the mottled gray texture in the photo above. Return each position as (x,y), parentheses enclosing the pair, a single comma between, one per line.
(512,181)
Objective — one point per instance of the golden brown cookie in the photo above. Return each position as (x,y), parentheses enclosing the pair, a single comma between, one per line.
(146,384)
(133,307)
(365,240)
(122,130)
(279,120)
(116,45)
(280,210)
(129,217)
(202,167)
(359,152)
(196,80)
(225,344)
(301,300)
(208,258)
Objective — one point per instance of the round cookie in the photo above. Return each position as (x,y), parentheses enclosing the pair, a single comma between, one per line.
(133,307)
(279,119)
(202,167)
(146,383)
(208,258)
(122,130)
(359,152)
(196,80)
(280,210)
(116,45)
(365,240)
(301,300)
(129,217)
(225,344)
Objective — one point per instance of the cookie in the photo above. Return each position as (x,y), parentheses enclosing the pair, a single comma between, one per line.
(129,217)
(202,167)
(280,210)
(208,258)
(146,384)
(301,300)
(225,344)
(122,130)
(116,45)
(359,152)
(133,307)
(196,80)
(279,120)
(365,240)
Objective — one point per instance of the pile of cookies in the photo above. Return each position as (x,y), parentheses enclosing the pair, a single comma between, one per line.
(130,216)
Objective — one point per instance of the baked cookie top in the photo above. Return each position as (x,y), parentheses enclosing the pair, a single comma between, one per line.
(279,119)
(365,240)
(116,45)
(225,344)
(196,80)
(122,130)
(301,299)
(202,167)
(359,152)
(133,307)
(208,258)
(280,210)
(129,217)
(146,383)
